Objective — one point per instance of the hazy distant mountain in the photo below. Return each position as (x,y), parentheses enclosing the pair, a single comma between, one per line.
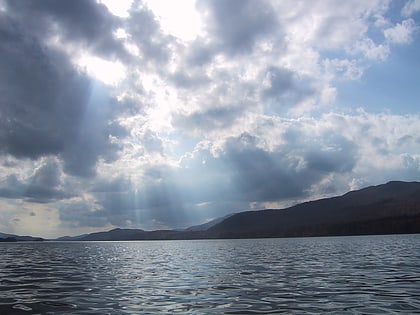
(207,225)
(384,209)
(132,234)
(11,237)
(71,238)
(3,235)
(138,234)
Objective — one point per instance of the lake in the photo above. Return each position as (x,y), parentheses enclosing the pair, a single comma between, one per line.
(325,275)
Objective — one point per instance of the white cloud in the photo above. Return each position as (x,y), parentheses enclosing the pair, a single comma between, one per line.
(328,25)
(401,33)
(382,141)
(370,50)
(410,8)
(343,69)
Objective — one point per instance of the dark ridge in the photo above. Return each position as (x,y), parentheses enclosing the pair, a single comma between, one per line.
(370,207)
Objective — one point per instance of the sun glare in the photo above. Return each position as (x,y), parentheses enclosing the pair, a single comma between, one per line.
(118,7)
(108,72)
(178,18)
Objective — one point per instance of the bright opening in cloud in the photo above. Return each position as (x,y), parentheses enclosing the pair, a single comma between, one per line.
(178,18)
(108,72)
(118,7)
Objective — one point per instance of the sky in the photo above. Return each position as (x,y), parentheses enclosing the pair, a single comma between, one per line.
(165,114)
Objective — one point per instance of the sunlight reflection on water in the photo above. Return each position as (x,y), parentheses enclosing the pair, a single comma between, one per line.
(331,275)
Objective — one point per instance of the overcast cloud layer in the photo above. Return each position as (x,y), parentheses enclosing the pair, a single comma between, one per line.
(120,121)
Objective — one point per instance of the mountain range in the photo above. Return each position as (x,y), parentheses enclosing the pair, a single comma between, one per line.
(16,238)
(385,209)
(392,208)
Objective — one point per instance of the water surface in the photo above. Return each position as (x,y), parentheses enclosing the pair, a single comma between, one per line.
(328,275)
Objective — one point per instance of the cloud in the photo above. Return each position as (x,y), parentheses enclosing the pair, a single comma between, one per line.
(402,32)
(250,113)
(371,51)
(81,213)
(289,169)
(50,108)
(44,185)
(239,24)
(236,26)
(85,23)
(241,173)
(328,25)
(278,162)
(183,79)
(121,203)
(259,175)
(145,33)
(343,69)
(152,142)
(215,118)
(410,8)
(286,88)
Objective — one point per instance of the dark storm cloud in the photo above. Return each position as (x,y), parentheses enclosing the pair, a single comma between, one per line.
(210,119)
(286,88)
(332,161)
(260,175)
(84,22)
(287,172)
(329,152)
(200,53)
(40,90)
(146,34)
(47,107)
(44,185)
(238,24)
(234,27)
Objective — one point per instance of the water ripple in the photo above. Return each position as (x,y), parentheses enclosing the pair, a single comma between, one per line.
(343,275)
